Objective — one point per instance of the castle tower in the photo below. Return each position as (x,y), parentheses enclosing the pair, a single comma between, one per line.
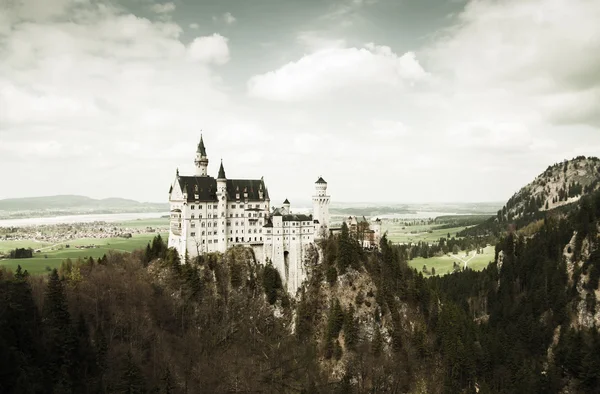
(222,209)
(321,208)
(201,160)
(286,207)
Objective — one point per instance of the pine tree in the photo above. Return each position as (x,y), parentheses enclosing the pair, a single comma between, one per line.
(132,380)
(58,337)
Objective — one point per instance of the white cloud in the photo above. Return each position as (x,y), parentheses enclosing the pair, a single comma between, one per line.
(389,130)
(85,86)
(194,26)
(210,49)
(163,8)
(531,48)
(332,69)
(314,41)
(227,18)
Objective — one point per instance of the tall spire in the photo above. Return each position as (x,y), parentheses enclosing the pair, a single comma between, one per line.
(221,172)
(201,148)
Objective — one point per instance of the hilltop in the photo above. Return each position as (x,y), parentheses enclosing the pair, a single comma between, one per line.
(73,204)
(555,190)
(561,184)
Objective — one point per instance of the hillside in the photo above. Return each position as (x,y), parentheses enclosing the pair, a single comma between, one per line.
(561,184)
(73,204)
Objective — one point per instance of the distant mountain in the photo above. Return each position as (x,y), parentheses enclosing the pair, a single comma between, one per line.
(76,204)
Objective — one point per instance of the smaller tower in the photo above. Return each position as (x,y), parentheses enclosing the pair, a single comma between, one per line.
(321,208)
(201,160)
(222,209)
(286,207)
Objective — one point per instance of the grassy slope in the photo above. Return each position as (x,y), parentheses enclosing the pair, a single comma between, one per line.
(444,264)
(38,263)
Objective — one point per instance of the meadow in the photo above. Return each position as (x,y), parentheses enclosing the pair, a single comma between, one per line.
(399,233)
(444,264)
(53,255)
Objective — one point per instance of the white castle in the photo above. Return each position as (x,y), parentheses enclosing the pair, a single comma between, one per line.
(211,215)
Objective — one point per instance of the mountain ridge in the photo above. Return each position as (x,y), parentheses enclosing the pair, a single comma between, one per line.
(73,201)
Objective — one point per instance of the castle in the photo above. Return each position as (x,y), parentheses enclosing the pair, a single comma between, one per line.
(211,215)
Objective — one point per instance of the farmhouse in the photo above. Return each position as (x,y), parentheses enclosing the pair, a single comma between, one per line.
(212,214)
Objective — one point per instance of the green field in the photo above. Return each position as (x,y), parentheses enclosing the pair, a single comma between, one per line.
(6,246)
(143,223)
(53,257)
(444,264)
(398,233)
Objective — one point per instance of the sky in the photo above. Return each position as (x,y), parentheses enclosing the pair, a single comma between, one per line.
(388,100)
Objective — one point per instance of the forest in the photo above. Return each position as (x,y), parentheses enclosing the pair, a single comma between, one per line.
(364,322)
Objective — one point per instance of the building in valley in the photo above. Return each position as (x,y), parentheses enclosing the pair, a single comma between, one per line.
(212,214)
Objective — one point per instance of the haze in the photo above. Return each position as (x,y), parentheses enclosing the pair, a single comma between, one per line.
(420,101)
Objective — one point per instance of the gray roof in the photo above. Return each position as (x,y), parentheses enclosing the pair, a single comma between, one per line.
(201,147)
(297,218)
(320,180)
(221,172)
(206,188)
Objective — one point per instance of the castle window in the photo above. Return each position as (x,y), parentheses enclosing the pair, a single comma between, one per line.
(210,241)
(199,206)
(202,224)
(215,206)
(193,225)
(203,241)
(228,223)
(209,224)
(200,216)
(192,206)
(193,234)
(192,216)
(236,215)
(232,206)
(215,224)
(241,205)
(202,232)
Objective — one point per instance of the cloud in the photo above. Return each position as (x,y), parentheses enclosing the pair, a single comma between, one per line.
(163,8)
(194,26)
(226,18)
(91,79)
(389,130)
(531,48)
(209,49)
(332,69)
(314,41)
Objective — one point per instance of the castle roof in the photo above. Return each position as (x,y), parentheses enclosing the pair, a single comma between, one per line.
(297,218)
(206,188)
(320,180)
(286,201)
(201,147)
(221,172)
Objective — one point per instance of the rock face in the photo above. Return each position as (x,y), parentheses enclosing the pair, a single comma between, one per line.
(561,184)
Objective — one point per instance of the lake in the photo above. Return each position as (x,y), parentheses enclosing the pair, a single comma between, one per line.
(108,217)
